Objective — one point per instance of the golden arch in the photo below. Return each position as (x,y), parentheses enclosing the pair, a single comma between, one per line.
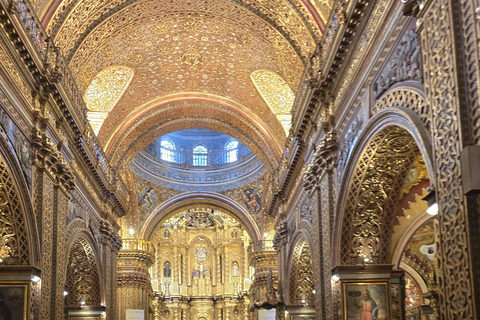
(374,191)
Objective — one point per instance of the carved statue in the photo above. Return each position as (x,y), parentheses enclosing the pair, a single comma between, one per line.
(235,269)
(167,270)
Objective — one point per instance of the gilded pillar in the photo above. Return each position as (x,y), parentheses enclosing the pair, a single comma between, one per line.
(450,70)
(263,292)
(320,183)
(110,245)
(134,290)
(52,181)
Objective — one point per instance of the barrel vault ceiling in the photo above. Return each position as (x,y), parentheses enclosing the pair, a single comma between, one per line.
(192,64)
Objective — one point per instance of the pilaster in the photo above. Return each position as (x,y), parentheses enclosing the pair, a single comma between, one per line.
(134,289)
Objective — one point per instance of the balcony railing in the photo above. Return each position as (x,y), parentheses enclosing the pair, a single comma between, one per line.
(138,245)
(210,159)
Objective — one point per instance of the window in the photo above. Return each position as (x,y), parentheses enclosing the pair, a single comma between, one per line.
(167,151)
(200,156)
(232,151)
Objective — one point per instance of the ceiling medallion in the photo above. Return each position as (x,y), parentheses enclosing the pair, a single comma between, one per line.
(191,58)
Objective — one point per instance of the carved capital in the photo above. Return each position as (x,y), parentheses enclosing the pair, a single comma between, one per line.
(110,237)
(281,236)
(324,160)
(51,159)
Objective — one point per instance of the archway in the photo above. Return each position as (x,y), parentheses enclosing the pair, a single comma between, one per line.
(84,292)
(389,174)
(301,293)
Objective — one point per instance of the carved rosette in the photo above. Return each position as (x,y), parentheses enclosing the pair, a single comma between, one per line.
(323,160)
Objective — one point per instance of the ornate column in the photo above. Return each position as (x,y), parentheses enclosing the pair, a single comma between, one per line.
(52,180)
(134,290)
(320,183)
(110,246)
(451,68)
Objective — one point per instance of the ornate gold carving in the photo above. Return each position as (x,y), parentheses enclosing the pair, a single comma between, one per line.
(406,98)
(374,191)
(295,23)
(301,275)
(455,278)
(104,92)
(46,201)
(107,87)
(83,282)
(323,160)
(8,232)
(276,93)
(221,44)
(50,158)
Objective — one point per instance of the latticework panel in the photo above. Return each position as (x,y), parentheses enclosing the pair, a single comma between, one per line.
(409,99)
(375,190)
(301,274)
(14,248)
(82,275)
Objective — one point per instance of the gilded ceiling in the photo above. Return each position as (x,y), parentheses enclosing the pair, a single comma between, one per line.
(194,49)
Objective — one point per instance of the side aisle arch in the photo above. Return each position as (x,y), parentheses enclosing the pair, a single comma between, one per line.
(300,274)
(17,222)
(393,139)
(83,283)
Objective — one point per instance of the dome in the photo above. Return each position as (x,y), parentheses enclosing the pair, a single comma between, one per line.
(197,160)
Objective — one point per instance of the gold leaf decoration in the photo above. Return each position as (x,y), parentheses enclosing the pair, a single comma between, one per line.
(276,93)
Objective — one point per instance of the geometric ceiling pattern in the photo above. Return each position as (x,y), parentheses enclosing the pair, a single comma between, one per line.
(204,51)
(276,93)
(104,92)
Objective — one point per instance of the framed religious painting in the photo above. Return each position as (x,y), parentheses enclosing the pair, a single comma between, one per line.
(366,300)
(13,301)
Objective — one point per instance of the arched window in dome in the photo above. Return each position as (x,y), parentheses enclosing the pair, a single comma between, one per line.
(167,149)
(103,93)
(232,151)
(276,93)
(200,156)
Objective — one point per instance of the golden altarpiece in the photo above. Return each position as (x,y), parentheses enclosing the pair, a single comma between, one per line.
(203,265)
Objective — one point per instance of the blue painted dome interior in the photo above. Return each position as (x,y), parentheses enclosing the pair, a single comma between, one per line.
(198,148)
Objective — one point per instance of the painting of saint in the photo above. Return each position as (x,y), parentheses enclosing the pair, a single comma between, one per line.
(252,200)
(12,302)
(167,270)
(366,301)
(147,197)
